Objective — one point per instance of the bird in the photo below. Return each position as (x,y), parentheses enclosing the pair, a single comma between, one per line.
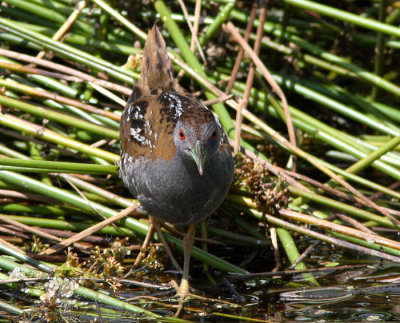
(175,156)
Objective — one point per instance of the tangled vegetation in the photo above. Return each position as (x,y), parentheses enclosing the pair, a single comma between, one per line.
(308,94)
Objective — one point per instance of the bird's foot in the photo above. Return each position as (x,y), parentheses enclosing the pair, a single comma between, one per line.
(183,290)
(182,294)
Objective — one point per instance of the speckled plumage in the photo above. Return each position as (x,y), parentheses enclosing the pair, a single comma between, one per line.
(162,127)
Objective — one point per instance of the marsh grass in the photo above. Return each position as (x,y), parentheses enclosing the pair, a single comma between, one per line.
(327,75)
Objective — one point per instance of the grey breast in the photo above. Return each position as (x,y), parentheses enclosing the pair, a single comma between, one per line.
(175,192)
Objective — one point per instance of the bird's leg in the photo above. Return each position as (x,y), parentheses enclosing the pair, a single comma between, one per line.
(154,225)
(157,226)
(187,242)
(183,290)
(145,244)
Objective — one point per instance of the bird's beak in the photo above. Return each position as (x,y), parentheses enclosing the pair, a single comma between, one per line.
(199,153)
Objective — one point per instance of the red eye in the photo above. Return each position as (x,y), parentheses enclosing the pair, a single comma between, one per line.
(182,134)
(214,134)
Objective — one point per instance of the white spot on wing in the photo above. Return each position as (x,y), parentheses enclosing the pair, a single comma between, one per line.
(144,139)
(134,113)
(128,115)
(174,103)
(135,134)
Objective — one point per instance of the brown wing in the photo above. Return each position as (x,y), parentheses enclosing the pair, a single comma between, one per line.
(156,103)
(147,125)
(143,129)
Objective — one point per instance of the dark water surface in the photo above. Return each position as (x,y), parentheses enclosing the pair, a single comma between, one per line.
(365,290)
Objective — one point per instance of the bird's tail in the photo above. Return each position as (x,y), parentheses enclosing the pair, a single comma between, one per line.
(157,74)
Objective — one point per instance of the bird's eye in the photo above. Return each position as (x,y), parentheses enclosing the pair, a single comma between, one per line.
(182,134)
(214,134)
